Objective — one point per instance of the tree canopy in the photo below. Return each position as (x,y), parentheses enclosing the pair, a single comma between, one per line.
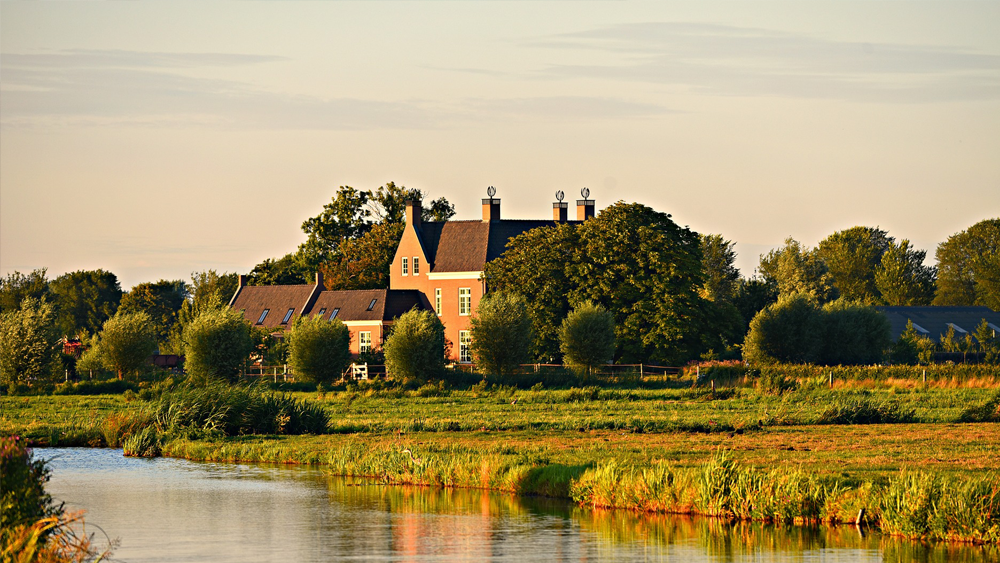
(217,344)
(127,341)
(17,286)
(415,348)
(85,300)
(902,279)
(318,349)
(852,257)
(587,337)
(797,269)
(501,333)
(29,342)
(969,267)
(161,300)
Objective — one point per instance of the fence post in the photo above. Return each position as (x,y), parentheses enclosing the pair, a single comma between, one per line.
(713,386)
(831,379)
(925,377)
(640,370)
(697,372)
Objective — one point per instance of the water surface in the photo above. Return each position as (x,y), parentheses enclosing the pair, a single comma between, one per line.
(179,511)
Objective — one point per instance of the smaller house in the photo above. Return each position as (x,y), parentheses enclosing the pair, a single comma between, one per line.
(933,322)
(367,312)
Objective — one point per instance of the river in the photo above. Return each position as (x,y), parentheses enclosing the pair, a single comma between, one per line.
(171,510)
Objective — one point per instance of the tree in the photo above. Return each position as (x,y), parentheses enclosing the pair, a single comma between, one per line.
(363,263)
(853,334)
(796,269)
(536,264)
(161,301)
(415,349)
(718,261)
(29,342)
(902,279)
(752,295)
(906,350)
(127,341)
(17,286)
(209,290)
(217,344)
(587,338)
(986,339)
(969,267)
(852,257)
(283,271)
(439,210)
(646,270)
(318,349)
(85,299)
(788,331)
(501,333)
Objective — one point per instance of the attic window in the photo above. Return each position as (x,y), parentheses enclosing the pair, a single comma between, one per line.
(333,315)
(372,304)
(263,316)
(920,329)
(288,315)
(957,328)
(322,312)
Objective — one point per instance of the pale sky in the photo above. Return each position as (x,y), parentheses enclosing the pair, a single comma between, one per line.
(153,139)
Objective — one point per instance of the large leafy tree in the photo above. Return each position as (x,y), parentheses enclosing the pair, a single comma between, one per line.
(852,257)
(787,331)
(363,263)
(969,267)
(718,261)
(280,271)
(318,349)
(415,348)
(29,342)
(795,268)
(853,333)
(537,265)
(501,333)
(587,338)
(208,290)
(902,279)
(85,300)
(161,300)
(17,286)
(217,345)
(127,341)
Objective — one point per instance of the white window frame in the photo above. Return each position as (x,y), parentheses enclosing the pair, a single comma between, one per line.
(364,341)
(464,301)
(416,265)
(437,301)
(406,266)
(464,346)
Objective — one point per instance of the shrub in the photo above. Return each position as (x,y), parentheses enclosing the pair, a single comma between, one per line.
(415,349)
(786,331)
(587,338)
(24,478)
(987,412)
(127,341)
(28,343)
(864,410)
(501,333)
(217,344)
(853,334)
(318,349)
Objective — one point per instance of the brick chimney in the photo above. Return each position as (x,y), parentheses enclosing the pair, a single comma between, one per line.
(491,206)
(560,211)
(413,213)
(584,209)
(319,281)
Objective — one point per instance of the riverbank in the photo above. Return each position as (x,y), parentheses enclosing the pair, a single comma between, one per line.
(781,456)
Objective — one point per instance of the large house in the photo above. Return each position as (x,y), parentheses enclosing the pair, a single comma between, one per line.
(437,266)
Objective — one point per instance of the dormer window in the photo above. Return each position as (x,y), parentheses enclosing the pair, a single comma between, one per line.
(263,316)
(288,315)
(321,312)
(406,266)
(372,304)
(333,315)
(416,266)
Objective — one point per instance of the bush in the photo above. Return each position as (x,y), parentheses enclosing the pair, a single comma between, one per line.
(501,333)
(587,338)
(29,350)
(107,387)
(786,331)
(415,349)
(318,349)
(853,334)
(127,341)
(24,478)
(863,410)
(987,412)
(217,344)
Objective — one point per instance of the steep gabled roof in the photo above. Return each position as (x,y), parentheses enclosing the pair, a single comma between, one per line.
(353,304)
(466,246)
(252,300)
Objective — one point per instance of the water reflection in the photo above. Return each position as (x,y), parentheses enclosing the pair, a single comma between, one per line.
(175,510)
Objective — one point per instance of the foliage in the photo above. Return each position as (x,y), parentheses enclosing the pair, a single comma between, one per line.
(536,264)
(852,257)
(85,299)
(902,279)
(29,343)
(24,478)
(796,269)
(127,340)
(787,331)
(752,295)
(281,271)
(906,350)
(853,334)
(209,290)
(718,262)
(415,349)
(217,345)
(363,262)
(501,333)
(864,410)
(587,337)
(162,301)
(318,349)
(16,287)
(969,267)
(986,412)
(234,410)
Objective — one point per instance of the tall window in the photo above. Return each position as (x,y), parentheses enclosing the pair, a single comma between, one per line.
(464,342)
(406,266)
(437,301)
(364,342)
(416,266)
(464,301)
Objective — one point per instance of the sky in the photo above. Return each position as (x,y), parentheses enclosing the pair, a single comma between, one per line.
(157,139)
